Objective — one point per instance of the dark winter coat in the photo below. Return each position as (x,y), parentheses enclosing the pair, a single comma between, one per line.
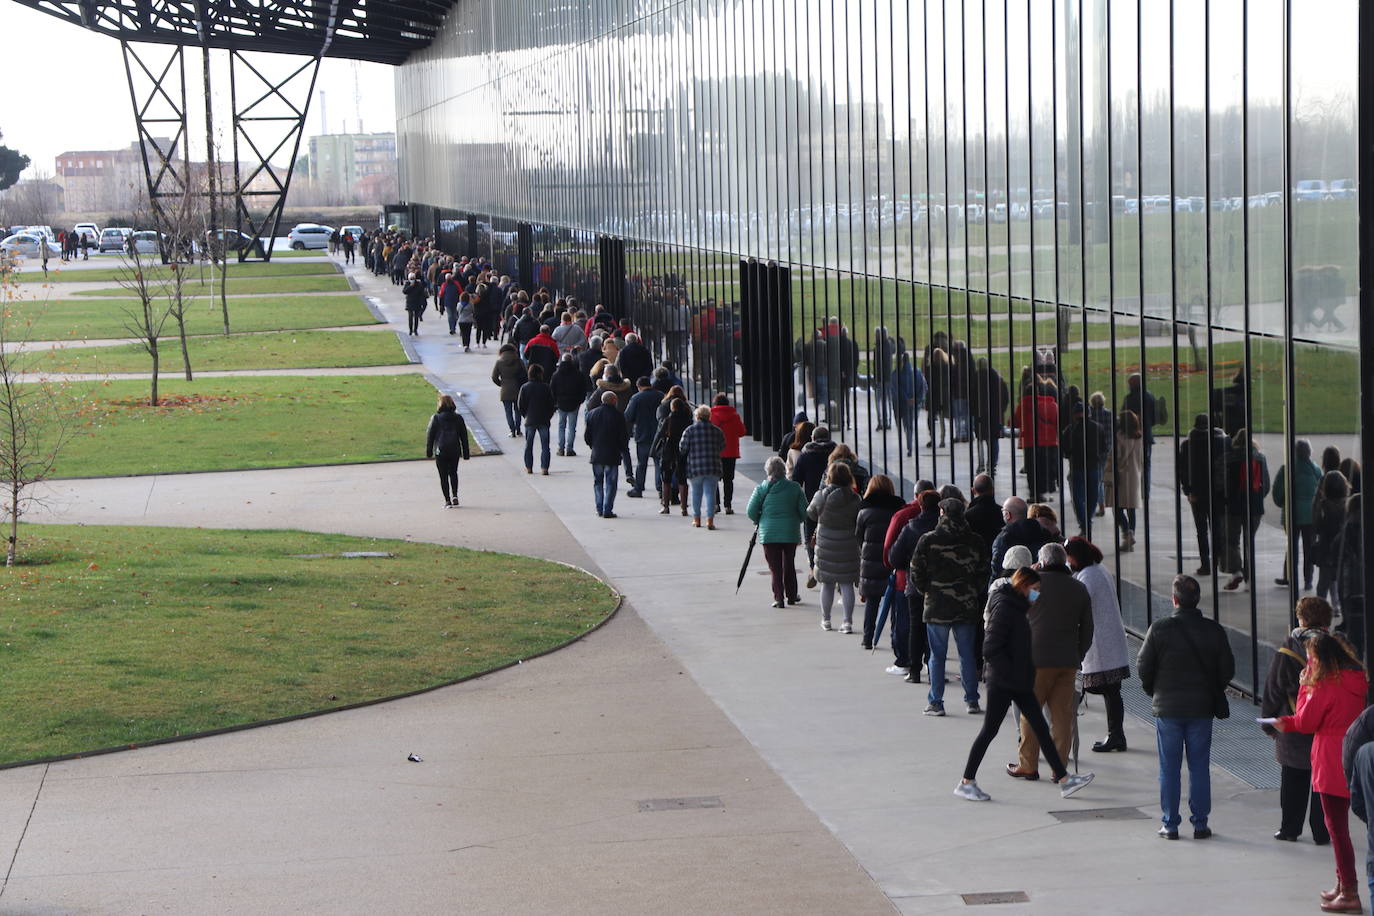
(570,386)
(447,435)
(642,415)
(984,516)
(904,547)
(989,403)
(950,568)
(417,297)
(1306,476)
(1061,620)
(635,362)
(1026,532)
(525,330)
(542,351)
(810,466)
(875,514)
(1007,644)
(1195,476)
(605,434)
(1280,698)
(536,404)
(1243,482)
(835,510)
(1328,519)
(510,374)
(1184,683)
(588,358)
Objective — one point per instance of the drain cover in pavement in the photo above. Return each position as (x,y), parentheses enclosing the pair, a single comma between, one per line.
(681,804)
(1100,814)
(984,899)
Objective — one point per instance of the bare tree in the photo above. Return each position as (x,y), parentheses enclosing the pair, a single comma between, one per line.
(141,275)
(35,420)
(184,224)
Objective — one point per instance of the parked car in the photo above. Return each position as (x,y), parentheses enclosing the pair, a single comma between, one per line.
(356,230)
(1310,189)
(1342,189)
(45,231)
(146,242)
(88,231)
(114,239)
(309,235)
(28,244)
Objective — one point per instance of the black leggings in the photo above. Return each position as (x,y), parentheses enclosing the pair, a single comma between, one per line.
(1116,709)
(727,479)
(1000,700)
(413,317)
(465,328)
(448,476)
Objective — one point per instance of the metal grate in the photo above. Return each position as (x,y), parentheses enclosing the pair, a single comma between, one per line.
(681,804)
(1099,814)
(990,897)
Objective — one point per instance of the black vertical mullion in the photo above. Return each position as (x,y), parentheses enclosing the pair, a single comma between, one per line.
(913,447)
(1111,299)
(932,420)
(1207,289)
(966,370)
(1036,445)
(1289,363)
(949,252)
(1091,500)
(1366,267)
(991,396)
(1249,544)
(1056,303)
(1173,297)
(1146,479)
(1013,445)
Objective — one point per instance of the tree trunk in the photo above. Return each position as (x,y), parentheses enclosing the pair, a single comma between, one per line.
(181,332)
(12,548)
(152,400)
(212,173)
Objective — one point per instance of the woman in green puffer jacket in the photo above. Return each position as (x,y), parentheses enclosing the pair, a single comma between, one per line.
(778,507)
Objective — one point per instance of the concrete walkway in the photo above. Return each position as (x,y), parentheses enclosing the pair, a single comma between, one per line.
(545,763)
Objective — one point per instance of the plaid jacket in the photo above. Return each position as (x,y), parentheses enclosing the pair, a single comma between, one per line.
(701,446)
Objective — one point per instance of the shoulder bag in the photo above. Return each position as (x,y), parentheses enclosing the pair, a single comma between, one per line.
(1221,706)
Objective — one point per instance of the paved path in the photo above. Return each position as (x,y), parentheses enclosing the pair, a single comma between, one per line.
(539,767)
(403,369)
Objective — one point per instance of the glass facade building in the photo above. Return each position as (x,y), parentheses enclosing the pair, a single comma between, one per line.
(1026,203)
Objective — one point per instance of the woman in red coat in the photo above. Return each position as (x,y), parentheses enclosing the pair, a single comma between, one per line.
(1331,697)
(1037,416)
(728,420)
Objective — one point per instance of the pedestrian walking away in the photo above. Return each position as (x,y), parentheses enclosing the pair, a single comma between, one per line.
(446,441)
(778,507)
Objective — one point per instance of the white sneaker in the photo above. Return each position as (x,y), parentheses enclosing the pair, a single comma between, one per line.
(825,625)
(971,792)
(1071,784)
(901,672)
(846,627)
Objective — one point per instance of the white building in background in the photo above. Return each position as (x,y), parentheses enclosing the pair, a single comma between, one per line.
(339,161)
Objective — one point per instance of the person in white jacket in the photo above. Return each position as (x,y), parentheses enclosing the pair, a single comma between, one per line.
(1106,665)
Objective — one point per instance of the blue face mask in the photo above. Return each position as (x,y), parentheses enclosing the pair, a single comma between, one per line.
(1034,593)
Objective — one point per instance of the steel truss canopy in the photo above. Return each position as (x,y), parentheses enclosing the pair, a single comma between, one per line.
(382,31)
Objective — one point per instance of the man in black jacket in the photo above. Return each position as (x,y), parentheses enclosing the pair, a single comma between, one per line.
(1019,529)
(983,515)
(606,435)
(570,387)
(1084,444)
(1202,478)
(642,417)
(1185,664)
(634,359)
(535,403)
(446,441)
(1141,403)
(590,356)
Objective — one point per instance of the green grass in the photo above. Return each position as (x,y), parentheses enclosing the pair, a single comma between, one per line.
(225,423)
(118,636)
(206,270)
(330,283)
(104,318)
(280,350)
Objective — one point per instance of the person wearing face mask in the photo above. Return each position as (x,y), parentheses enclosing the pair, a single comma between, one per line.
(1011,679)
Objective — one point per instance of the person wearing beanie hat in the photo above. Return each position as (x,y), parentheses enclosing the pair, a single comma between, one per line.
(950,570)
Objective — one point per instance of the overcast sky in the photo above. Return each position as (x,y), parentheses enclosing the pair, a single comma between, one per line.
(80,98)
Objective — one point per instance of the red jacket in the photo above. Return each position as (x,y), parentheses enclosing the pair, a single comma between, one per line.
(1045,430)
(728,419)
(1326,711)
(543,340)
(894,528)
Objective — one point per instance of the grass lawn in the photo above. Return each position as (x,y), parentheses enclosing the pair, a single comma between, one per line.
(281,350)
(223,423)
(114,636)
(239,286)
(105,318)
(206,270)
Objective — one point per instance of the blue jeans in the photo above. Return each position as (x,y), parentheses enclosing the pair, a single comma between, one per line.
(512,416)
(961,417)
(642,471)
(964,636)
(899,614)
(604,480)
(543,432)
(567,429)
(994,448)
(703,483)
(1175,737)
(1361,796)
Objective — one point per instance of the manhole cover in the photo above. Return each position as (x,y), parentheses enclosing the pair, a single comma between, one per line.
(1100,814)
(983,899)
(681,804)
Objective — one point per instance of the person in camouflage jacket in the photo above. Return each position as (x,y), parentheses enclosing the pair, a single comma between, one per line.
(950,570)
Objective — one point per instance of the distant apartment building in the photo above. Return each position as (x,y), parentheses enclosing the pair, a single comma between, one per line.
(99,180)
(338,162)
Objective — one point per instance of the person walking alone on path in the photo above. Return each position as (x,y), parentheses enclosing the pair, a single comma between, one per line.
(950,569)
(417,298)
(1293,750)
(1011,679)
(700,446)
(835,511)
(1185,664)
(1331,698)
(606,435)
(446,441)
(778,507)
(1106,665)
(535,403)
(509,373)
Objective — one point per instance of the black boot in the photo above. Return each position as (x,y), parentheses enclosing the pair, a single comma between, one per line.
(1112,743)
